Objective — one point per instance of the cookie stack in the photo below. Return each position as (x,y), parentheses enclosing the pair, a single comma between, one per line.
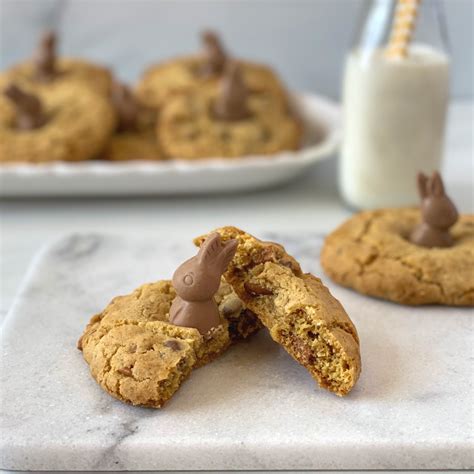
(207,105)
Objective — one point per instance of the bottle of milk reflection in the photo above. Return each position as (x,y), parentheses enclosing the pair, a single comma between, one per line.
(396,90)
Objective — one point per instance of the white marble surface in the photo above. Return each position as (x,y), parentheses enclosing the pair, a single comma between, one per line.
(254,408)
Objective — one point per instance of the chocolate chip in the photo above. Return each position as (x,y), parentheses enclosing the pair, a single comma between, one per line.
(125,371)
(254,289)
(290,264)
(302,351)
(173,345)
(268,253)
(244,325)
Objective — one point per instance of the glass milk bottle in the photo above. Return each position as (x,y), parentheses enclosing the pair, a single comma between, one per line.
(395,99)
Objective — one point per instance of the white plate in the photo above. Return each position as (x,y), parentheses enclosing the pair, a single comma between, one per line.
(322,135)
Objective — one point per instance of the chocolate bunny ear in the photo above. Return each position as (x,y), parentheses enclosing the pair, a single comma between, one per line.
(210,249)
(214,55)
(214,254)
(437,186)
(422,181)
(227,253)
(48,41)
(45,56)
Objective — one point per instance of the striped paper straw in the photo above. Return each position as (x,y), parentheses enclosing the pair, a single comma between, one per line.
(402,29)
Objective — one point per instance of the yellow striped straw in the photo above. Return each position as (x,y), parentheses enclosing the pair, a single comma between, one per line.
(402,29)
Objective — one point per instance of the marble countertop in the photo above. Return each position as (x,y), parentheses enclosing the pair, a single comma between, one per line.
(253,408)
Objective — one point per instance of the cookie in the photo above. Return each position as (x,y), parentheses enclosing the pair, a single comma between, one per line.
(189,129)
(138,357)
(182,75)
(372,254)
(299,311)
(77,124)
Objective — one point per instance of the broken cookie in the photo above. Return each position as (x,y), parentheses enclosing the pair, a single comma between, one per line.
(139,357)
(297,308)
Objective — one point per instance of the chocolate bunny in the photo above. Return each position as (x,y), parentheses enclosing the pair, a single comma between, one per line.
(44,59)
(438,213)
(231,104)
(196,281)
(30,114)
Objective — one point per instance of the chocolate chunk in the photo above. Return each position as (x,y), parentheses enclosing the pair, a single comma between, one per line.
(254,289)
(125,371)
(173,345)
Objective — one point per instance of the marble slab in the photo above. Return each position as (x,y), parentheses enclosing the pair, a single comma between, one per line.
(254,408)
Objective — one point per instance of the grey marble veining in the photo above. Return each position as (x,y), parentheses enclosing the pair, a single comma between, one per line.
(254,408)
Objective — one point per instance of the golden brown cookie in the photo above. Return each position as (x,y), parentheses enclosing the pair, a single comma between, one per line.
(297,308)
(188,128)
(78,124)
(137,356)
(183,75)
(372,254)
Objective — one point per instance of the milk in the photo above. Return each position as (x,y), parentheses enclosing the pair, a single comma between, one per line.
(394,116)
